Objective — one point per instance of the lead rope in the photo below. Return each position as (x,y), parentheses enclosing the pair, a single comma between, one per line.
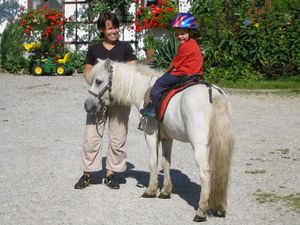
(101,116)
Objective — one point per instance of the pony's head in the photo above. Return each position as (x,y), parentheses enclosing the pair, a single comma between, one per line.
(100,79)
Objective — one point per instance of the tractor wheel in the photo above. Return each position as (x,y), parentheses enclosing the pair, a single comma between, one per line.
(37,70)
(61,70)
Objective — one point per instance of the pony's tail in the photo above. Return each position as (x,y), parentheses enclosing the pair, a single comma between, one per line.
(221,142)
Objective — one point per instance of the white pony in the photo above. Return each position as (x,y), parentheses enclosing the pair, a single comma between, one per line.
(189,117)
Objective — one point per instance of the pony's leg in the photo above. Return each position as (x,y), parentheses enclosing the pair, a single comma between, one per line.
(151,136)
(202,158)
(166,162)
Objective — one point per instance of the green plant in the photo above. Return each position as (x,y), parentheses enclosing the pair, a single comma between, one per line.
(77,61)
(150,43)
(164,55)
(11,46)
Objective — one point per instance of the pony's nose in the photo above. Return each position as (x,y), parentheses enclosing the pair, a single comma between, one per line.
(90,106)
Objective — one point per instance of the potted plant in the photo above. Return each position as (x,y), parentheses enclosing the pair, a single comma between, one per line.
(154,16)
(152,21)
(44,25)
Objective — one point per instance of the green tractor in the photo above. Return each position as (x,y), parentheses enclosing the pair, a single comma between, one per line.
(49,66)
(40,65)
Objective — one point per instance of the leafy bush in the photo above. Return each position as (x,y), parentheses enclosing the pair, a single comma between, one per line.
(242,72)
(11,47)
(239,38)
(77,61)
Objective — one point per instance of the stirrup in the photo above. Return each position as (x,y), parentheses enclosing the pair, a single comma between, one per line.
(149,114)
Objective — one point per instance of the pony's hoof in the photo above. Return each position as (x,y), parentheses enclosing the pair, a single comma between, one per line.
(198,218)
(164,196)
(146,195)
(218,213)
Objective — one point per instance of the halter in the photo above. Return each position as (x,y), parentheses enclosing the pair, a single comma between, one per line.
(104,107)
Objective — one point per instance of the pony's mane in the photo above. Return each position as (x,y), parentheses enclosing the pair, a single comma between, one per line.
(142,69)
(131,81)
(146,70)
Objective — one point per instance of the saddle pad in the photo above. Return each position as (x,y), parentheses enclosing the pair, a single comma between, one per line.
(166,97)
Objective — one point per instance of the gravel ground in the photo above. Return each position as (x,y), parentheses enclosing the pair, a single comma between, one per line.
(41,129)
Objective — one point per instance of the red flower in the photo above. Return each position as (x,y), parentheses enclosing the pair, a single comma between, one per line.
(155,15)
(23,22)
(138,29)
(170,9)
(27,31)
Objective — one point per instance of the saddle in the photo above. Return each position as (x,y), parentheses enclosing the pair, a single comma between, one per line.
(185,83)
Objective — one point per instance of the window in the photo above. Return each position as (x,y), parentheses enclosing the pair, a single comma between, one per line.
(38,4)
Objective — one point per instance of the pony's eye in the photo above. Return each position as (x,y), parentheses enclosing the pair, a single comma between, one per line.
(98,82)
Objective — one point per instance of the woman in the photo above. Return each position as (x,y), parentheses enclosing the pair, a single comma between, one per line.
(117,116)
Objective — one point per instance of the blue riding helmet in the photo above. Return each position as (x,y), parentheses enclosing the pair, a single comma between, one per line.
(184,20)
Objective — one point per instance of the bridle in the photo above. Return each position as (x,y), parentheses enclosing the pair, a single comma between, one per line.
(102,113)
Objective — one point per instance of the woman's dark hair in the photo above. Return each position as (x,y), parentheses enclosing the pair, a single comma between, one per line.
(101,23)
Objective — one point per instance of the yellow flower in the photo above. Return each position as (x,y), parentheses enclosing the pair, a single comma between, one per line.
(256,25)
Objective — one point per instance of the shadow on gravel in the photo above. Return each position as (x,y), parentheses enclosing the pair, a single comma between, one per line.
(182,184)
(185,188)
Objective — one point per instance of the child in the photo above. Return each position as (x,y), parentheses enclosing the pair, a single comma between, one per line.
(188,61)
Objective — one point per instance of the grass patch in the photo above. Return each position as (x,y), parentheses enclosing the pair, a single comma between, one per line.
(284,151)
(258,159)
(291,84)
(292,200)
(264,197)
(257,171)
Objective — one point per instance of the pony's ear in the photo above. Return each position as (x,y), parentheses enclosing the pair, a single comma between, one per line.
(108,65)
